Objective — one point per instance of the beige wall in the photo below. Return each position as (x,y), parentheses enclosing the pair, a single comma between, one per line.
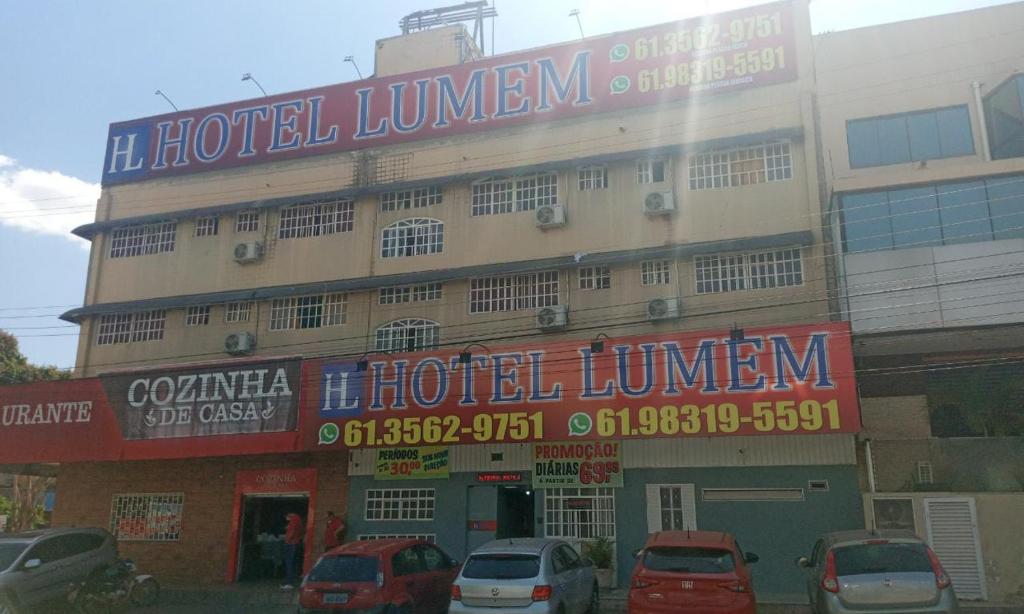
(914,66)
(420,50)
(598,221)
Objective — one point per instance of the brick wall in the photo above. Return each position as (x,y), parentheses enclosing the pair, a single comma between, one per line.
(85,490)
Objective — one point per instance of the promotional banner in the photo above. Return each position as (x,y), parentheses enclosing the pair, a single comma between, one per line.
(412,463)
(577,465)
(669,62)
(218,400)
(773,381)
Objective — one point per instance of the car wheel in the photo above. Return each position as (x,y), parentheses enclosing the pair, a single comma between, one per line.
(595,602)
(145,593)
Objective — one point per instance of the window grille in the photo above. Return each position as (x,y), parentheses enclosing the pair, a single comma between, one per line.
(595,278)
(592,178)
(408,335)
(411,199)
(750,271)
(741,166)
(409,294)
(197,315)
(513,292)
(316,219)
(131,327)
(579,513)
(143,239)
(315,311)
(655,272)
(507,194)
(247,221)
(650,171)
(147,517)
(418,236)
(237,312)
(207,226)
(400,504)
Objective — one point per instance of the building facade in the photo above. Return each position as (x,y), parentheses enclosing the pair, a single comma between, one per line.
(921,128)
(283,293)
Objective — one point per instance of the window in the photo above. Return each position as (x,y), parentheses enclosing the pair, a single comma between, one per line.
(502,566)
(677,507)
(407,562)
(419,236)
(513,292)
(650,171)
(592,178)
(237,312)
(595,278)
(655,272)
(507,194)
(316,219)
(207,226)
(940,214)
(197,315)
(400,504)
(910,137)
(147,517)
(427,537)
(409,294)
(316,311)
(411,199)
(247,221)
(740,166)
(579,513)
(750,271)
(143,239)
(408,336)
(1004,113)
(131,327)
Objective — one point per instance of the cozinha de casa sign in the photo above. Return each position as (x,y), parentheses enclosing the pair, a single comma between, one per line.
(776,381)
(665,63)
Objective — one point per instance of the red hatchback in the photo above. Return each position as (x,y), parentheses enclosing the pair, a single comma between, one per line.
(701,572)
(406,576)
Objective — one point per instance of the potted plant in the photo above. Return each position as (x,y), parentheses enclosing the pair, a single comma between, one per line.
(601,553)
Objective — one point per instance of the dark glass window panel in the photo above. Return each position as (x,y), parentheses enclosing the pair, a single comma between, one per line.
(964,211)
(924,136)
(1006,202)
(915,217)
(866,222)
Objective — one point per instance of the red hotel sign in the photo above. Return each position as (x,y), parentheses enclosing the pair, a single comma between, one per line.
(650,66)
(775,381)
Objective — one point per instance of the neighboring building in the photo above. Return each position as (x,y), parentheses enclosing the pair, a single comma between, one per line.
(923,145)
(658,193)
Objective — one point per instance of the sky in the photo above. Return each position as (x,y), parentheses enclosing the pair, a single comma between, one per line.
(69,68)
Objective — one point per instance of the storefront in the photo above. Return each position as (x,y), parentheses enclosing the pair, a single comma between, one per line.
(750,435)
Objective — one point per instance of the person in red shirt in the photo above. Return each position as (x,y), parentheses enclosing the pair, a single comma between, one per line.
(293,534)
(334,535)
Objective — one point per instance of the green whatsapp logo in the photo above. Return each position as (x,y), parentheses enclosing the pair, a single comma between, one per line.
(619,53)
(620,84)
(329,433)
(580,424)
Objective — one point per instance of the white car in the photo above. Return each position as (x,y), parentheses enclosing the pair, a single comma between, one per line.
(529,575)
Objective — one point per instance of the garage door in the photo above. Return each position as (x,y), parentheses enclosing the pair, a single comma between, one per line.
(953,534)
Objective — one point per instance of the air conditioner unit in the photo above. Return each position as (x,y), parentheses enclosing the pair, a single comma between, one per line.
(553,317)
(659,203)
(240,343)
(250,251)
(549,216)
(663,309)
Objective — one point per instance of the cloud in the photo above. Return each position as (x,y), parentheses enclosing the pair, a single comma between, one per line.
(46,202)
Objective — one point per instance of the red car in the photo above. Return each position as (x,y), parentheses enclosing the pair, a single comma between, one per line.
(407,576)
(700,572)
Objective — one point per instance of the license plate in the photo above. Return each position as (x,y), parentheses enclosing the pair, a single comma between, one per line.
(335,598)
(687,585)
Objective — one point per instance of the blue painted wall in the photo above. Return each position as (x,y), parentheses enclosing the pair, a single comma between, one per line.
(778,531)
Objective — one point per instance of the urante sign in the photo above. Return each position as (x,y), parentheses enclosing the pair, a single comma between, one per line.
(773,381)
(645,67)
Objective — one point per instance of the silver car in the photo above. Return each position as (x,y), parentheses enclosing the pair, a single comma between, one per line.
(879,572)
(526,575)
(37,567)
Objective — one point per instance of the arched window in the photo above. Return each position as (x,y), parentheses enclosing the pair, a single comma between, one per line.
(416,236)
(408,335)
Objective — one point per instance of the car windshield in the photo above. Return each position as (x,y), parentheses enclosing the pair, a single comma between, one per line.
(345,569)
(689,559)
(9,551)
(882,558)
(502,566)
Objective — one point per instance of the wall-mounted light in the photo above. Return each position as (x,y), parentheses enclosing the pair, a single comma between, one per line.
(597,345)
(735,333)
(248,77)
(466,356)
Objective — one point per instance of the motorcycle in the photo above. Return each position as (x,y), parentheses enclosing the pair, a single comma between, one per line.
(114,589)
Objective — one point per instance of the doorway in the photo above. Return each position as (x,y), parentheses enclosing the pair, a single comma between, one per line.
(261,538)
(515,512)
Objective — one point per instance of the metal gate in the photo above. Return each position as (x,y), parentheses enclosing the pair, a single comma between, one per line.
(953,533)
